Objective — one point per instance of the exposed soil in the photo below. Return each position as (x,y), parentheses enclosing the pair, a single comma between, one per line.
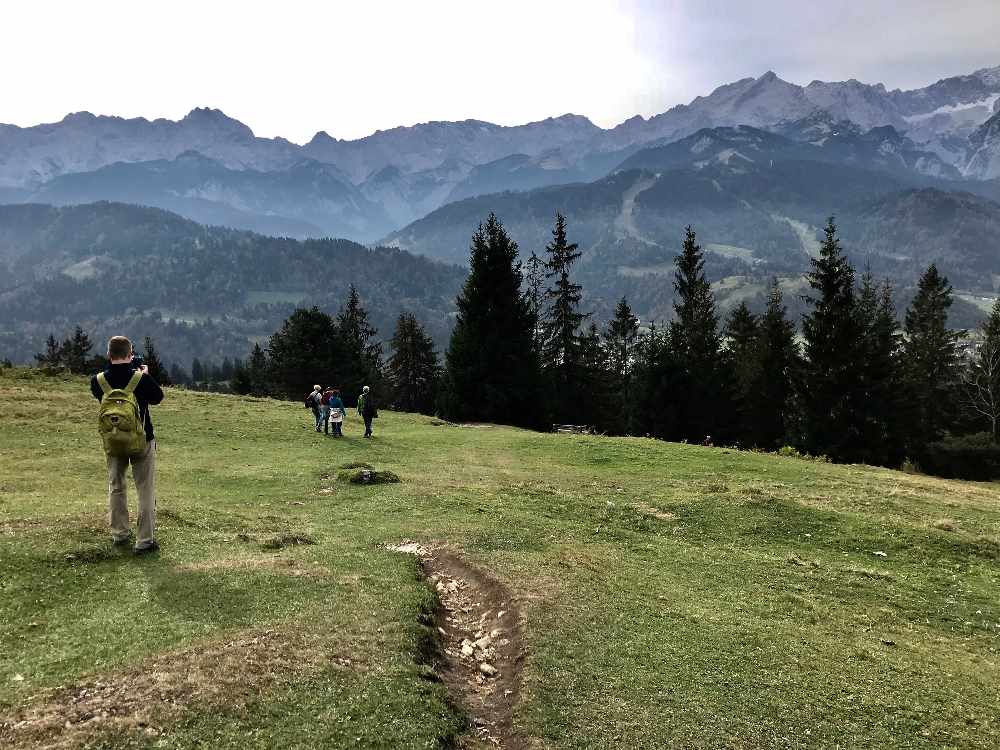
(150,695)
(481,639)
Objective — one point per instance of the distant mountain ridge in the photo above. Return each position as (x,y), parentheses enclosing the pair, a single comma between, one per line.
(212,168)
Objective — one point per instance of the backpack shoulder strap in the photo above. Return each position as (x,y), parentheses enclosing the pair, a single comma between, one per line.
(133,382)
(103,382)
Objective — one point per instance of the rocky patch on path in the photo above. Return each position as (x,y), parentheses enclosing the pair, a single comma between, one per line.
(480,632)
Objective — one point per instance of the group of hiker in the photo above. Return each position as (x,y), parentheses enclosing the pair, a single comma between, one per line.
(126,390)
(329,411)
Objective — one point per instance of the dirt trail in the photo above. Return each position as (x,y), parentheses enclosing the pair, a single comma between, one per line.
(481,639)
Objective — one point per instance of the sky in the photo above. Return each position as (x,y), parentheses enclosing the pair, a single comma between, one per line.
(293,68)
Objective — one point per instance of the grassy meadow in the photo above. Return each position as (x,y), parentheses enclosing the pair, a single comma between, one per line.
(673,596)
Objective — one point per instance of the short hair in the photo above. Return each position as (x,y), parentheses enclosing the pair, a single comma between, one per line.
(317,388)
(119,347)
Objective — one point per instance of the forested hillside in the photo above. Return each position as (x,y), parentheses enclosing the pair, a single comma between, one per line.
(199,291)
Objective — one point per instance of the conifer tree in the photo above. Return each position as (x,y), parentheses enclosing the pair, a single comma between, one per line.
(152,361)
(240,380)
(304,352)
(53,354)
(930,360)
(743,359)
(772,410)
(197,371)
(412,371)
(561,339)
(492,371)
(257,372)
(831,383)
(362,363)
(534,284)
(76,351)
(701,400)
(620,340)
(880,441)
(652,406)
(178,376)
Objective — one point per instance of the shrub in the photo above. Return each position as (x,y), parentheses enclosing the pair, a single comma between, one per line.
(975,456)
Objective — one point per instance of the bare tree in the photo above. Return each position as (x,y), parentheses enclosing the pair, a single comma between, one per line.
(981,385)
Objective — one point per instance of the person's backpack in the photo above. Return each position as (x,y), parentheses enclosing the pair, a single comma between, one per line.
(119,422)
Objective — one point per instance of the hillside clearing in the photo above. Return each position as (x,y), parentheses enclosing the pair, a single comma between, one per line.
(670,595)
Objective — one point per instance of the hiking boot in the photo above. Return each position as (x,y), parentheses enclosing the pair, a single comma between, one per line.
(121,541)
(147,548)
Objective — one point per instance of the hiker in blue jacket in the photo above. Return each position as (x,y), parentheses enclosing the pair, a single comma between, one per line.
(337,412)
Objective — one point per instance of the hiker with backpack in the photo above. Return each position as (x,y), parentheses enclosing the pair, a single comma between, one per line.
(126,390)
(368,409)
(314,401)
(336,410)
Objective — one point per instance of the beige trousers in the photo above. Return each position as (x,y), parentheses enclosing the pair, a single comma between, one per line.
(143,469)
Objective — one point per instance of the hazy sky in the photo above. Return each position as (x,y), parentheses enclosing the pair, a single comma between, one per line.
(292,68)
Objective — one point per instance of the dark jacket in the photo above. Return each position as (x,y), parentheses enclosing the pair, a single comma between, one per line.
(147,393)
(368,406)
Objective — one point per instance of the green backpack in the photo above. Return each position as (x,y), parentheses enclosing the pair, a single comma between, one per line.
(118,421)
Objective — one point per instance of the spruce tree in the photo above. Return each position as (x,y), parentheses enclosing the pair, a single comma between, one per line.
(534,289)
(178,376)
(197,371)
(930,361)
(657,377)
(742,331)
(492,371)
(881,434)
(362,363)
(831,384)
(257,372)
(772,408)
(701,401)
(76,351)
(620,341)
(152,361)
(53,354)
(412,371)
(561,351)
(305,351)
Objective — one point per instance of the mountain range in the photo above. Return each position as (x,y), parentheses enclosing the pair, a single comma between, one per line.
(756,167)
(366,188)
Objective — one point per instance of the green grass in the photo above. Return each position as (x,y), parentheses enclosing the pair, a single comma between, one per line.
(674,596)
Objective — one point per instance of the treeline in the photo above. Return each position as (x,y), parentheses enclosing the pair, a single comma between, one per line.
(312,347)
(854,387)
(74,353)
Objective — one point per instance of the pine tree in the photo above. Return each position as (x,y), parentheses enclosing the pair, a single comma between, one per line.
(743,360)
(880,440)
(76,351)
(831,385)
(226,371)
(413,371)
(701,400)
(492,370)
(930,361)
(307,350)
(53,354)
(178,376)
(257,372)
(362,363)
(534,284)
(657,377)
(621,339)
(240,381)
(772,410)
(561,337)
(197,371)
(152,361)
